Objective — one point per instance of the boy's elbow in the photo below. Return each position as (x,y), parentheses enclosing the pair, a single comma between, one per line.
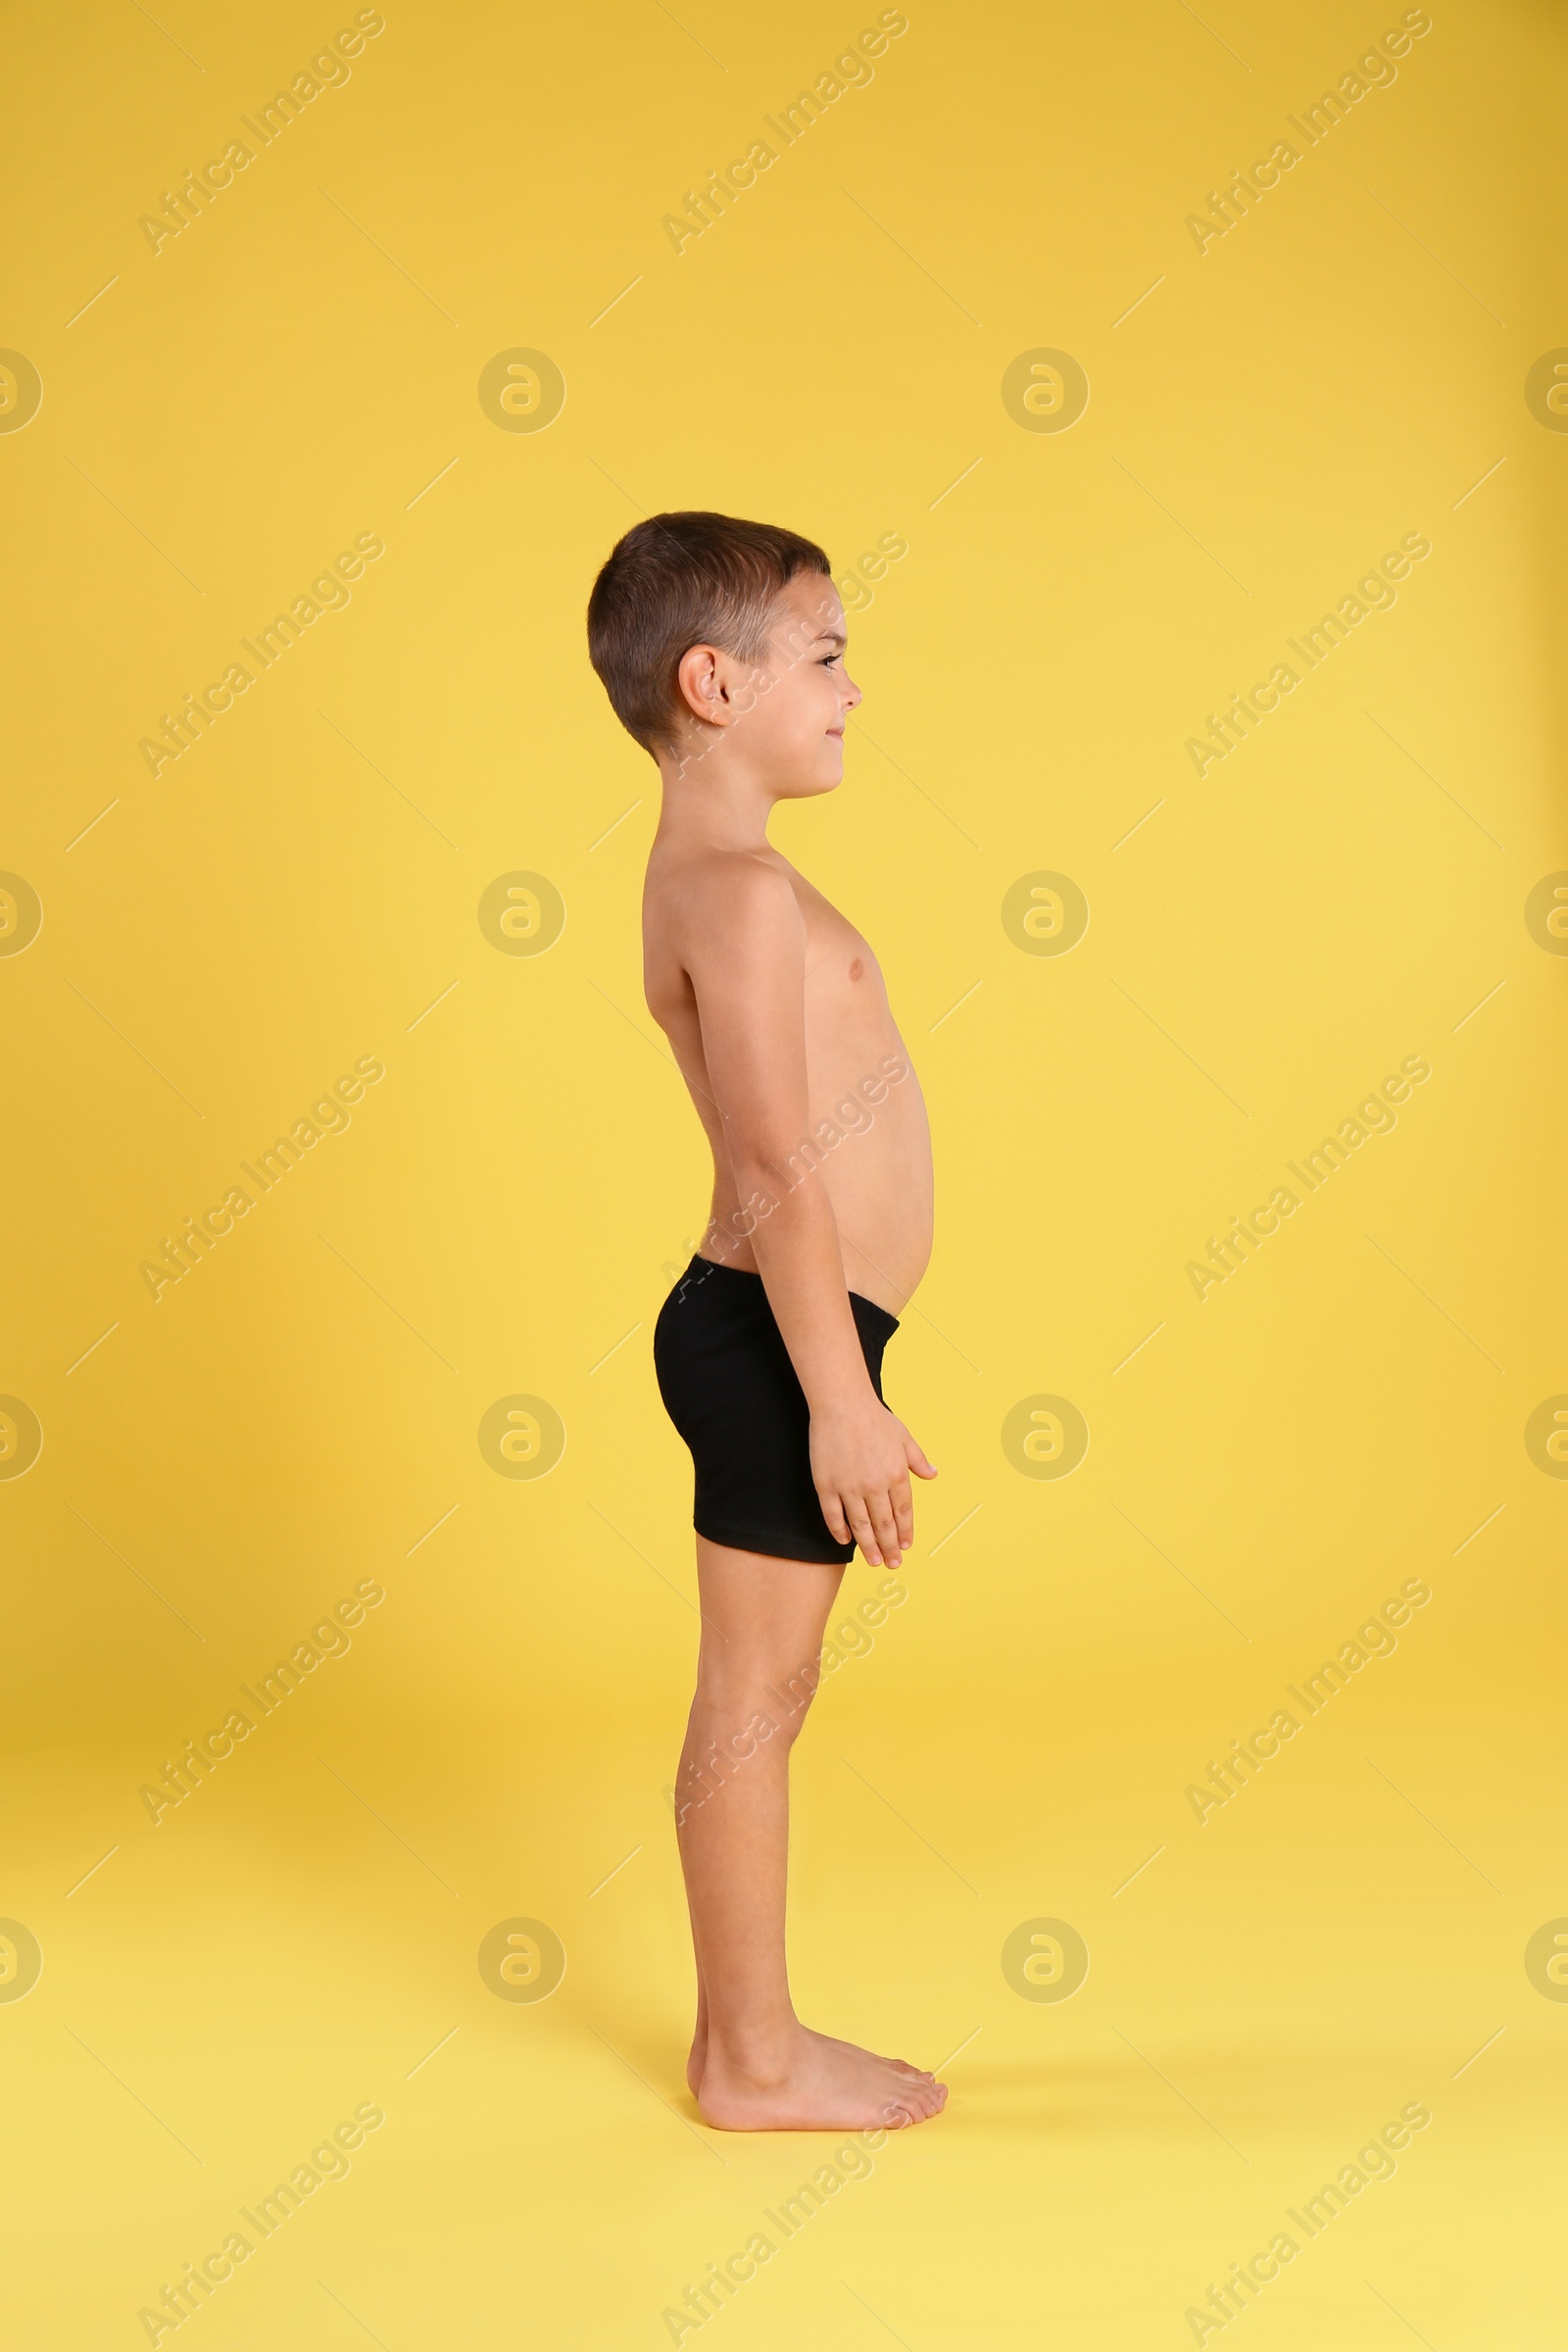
(756,1172)
(781,1176)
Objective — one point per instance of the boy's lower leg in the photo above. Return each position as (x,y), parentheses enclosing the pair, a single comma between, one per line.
(753,2065)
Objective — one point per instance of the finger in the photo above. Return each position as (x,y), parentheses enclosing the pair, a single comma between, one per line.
(903,1503)
(915,1455)
(887,1533)
(861,1528)
(833,1514)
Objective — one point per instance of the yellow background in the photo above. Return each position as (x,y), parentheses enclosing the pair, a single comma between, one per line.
(293,1417)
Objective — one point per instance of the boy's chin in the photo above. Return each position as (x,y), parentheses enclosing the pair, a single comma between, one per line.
(810,782)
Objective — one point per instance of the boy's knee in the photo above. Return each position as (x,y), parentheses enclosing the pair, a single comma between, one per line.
(789,1718)
(757,1702)
(790,1701)
(738,1718)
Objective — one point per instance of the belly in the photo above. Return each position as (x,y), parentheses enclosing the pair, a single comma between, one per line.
(878,1178)
(869,1145)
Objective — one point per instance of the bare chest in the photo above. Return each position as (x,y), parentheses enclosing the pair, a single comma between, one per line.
(848,1017)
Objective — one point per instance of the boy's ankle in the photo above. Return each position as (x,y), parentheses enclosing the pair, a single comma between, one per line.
(761,2059)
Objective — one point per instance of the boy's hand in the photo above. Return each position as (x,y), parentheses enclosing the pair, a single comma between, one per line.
(861,1458)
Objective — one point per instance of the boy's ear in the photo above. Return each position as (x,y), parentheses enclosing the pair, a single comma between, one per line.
(702,687)
(716,686)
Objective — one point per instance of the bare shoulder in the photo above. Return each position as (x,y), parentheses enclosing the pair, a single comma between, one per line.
(702,902)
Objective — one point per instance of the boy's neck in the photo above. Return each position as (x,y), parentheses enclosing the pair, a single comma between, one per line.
(711,802)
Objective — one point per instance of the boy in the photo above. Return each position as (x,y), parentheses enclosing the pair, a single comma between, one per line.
(721,645)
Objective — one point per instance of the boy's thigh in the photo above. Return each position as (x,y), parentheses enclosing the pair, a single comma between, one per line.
(761,1615)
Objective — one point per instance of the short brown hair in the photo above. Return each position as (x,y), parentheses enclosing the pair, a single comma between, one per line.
(679,580)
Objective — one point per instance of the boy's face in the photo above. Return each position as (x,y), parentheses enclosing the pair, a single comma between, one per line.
(793,736)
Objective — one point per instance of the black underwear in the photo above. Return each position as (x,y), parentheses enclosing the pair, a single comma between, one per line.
(730,1388)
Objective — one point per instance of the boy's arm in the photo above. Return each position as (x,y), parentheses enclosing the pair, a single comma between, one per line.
(745,953)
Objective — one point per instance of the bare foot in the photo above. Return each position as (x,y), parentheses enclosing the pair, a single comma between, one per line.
(696,2059)
(900,2066)
(816,2085)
